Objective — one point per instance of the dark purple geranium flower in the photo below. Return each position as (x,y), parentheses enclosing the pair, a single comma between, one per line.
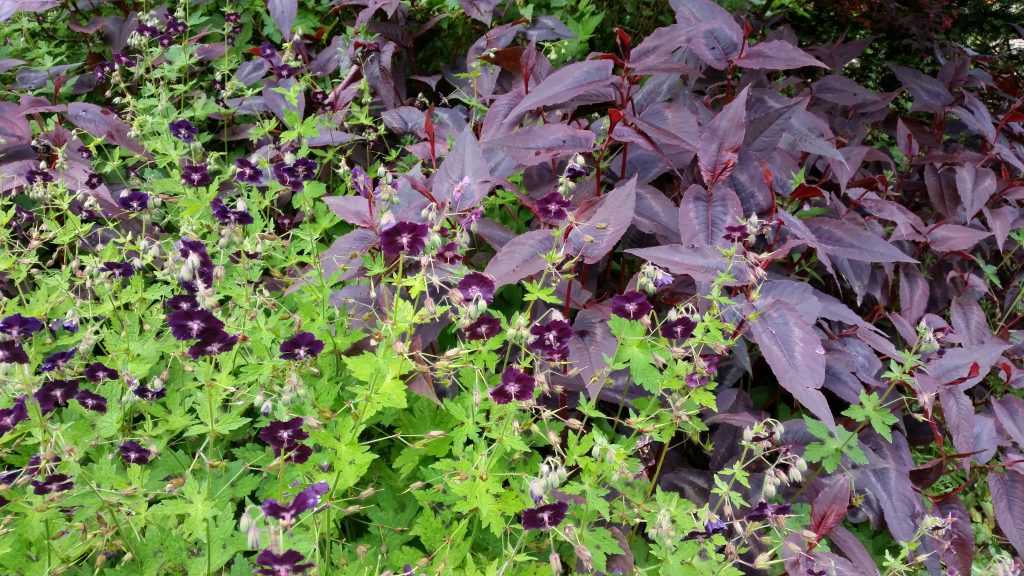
(403,238)
(148,394)
(679,329)
(182,303)
(93,181)
(305,168)
(544,517)
(11,352)
(267,51)
(196,175)
(553,206)
(91,401)
(287,175)
(288,563)
(119,269)
(765,511)
(133,453)
(477,285)
(183,130)
(10,417)
(301,346)
(576,169)
(55,394)
(449,253)
(97,372)
(248,172)
(226,216)
(175,27)
(134,201)
(484,328)
(736,233)
(193,324)
(305,500)
(551,340)
(362,182)
(57,360)
(711,527)
(52,484)
(17,326)
(212,343)
(124,60)
(632,305)
(34,175)
(515,385)
(283,434)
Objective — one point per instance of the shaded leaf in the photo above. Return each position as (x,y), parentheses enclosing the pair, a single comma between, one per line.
(563,85)
(842,238)
(830,505)
(929,94)
(776,55)
(721,139)
(704,215)
(542,143)
(1007,493)
(954,237)
(103,123)
(283,13)
(520,257)
(463,178)
(702,264)
(596,237)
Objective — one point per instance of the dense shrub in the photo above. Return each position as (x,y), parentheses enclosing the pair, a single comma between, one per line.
(284,293)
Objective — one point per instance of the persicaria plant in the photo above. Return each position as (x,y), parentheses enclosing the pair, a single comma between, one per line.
(283,293)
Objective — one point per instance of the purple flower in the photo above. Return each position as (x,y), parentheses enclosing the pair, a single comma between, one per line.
(515,385)
(119,269)
(736,233)
(10,417)
(175,27)
(764,511)
(403,238)
(287,563)
(287,175)
(183,130)
(193,324)
(551,340)
(91,401)
(148,394)
(196,175)
(134,201)
(181,303)
(194,253)
(102,70)
(133,453)
(484,328)
(97,372)
(284,70)
(449,253)
(34,175)
(679,329)
(18,327)
(305,500)
(52,484)
(124,60)
(55,394)
(305,168)
(248,172)
(553,206)
(232,17)
(283,434)
(301,346)
(632,305)
(93,181)
(11,352)
(212,343)
(711,527)
(362,182)
(147,30)
(57,360)
(544,517)
(229,216)
(477,285)
(576,170)
(267,51)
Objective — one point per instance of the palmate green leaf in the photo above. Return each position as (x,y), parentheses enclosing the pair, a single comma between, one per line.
(600,543)
(871,410)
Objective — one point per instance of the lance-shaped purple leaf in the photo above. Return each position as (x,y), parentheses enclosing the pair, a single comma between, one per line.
(103,123)
(564,85)
(592,342)
(283,13)
(482,10)
(702,264)
(847,240)
(1007,493)
(956,545)
(520,257)
(703,215)
(954,237)
(776,55)
(960,420)
(655,213)
(542,143)
(721,139)
(351,209)
(596,237)
(1009,411)
(830,505)
(843,91)
(975,185)
(929,94)
(9,8)
(345,255)
(794,352)
(463,178)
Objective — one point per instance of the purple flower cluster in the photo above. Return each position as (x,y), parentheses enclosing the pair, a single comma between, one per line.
(288,563)
(57,360)
(195,323)
(134,201)
(10,417)
(483,328)
(183,130)
(303,501)
(285,437)
(52,484)
(476,286)
(55,394)
(196,175)
(295,174)
(516,385)
(553,207)
(229,216)
(134,453)
(679,329)
(19,327)
(197,271)
(248,172)
(551,340)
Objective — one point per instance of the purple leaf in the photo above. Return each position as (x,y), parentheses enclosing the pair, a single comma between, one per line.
(103,123)
(793,350)
(592,341)
(718,43)
(279,104)
(283,13)
(975,185)
(852,548)
(720,141)
(596,237)
(976,116)
(959,414)
(9,8)
(1000,221)
(830,505)
(351,209)
(843,91)
(463,178)
(542,143)
(956,546)
(842,238)
(481,10)
(251,72)
(703,264)
(914,292)
(654,213)
(905,140)
(704,215)
(776,55)
(1007,494)
(1009,412)
(563,85)
(954,237)
(345,255)
(929,94)
(520,257)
